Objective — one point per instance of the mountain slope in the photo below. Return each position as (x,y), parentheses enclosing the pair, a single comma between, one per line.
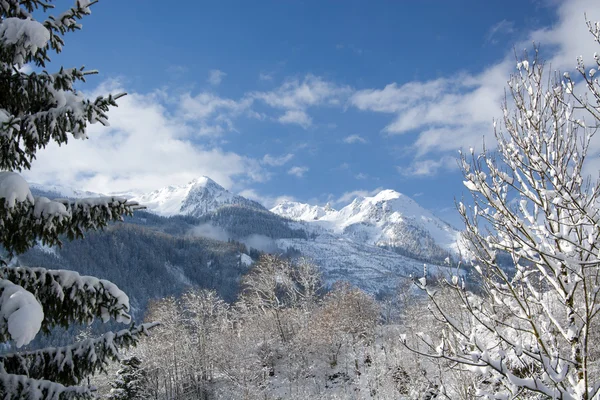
(197,198)
(371,268)
(388,219)
(373,242)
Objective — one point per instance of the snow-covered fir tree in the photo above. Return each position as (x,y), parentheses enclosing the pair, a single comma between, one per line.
(37,108)
(533,332)
(130,383)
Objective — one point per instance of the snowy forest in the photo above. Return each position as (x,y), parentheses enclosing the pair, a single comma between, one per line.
(516,316)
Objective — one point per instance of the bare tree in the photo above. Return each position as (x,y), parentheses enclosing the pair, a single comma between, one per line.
(532,331)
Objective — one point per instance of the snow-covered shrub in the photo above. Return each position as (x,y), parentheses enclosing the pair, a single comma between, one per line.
(532,332)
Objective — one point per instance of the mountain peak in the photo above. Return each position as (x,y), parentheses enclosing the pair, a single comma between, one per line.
(388,194)
(204,181)
(300,211)
(382,219)
(198,197)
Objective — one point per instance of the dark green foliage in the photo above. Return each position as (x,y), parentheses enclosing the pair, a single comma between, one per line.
(130,382)
(67,298)
(88,357)
(21,229)
(30,97)
(148,263)
(241,222)
(36,109)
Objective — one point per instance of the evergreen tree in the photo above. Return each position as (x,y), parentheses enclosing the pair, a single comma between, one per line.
(35,109)
(130,381)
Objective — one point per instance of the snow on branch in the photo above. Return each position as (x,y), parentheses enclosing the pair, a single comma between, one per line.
(25,220)
(64,113)
(70,365)
(21,315)
(40,107)
(535,324)
(13,387)
(67,296)
(26,40)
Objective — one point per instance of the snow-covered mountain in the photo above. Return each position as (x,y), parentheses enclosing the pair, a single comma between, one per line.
(62,191)
(197,198)
(302,212)
(373,242)
(386,219)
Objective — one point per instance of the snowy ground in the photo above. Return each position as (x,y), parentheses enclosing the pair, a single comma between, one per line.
(369,267)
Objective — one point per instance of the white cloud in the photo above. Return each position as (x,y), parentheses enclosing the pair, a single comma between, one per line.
(210,231)
(460,108)
(354,139)
(297,117)
(501,28)
(295,96)
(421,168)
(298,171)
(212,115)
(145,148)
(277,161)
(215,76)
(569,37)
(361,176)
(264,76)
(205,105)
(457,111)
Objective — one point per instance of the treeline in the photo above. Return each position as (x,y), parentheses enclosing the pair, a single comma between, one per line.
(241,222)
(148,264)
(285,337)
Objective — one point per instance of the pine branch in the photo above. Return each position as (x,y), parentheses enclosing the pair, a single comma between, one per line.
(67,296)
(70,365)
(23,224)
(14,387)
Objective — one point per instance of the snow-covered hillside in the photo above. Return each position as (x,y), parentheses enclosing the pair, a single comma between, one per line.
(63,191)
(386,219)
(369,267)
(302,212)
(373,242)
(197,198)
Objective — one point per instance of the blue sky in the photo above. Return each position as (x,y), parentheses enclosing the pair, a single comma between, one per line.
(310,100)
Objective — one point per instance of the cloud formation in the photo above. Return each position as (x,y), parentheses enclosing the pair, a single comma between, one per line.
(215,76)
(451,112)
(429,167)
(297,117)
(277,161)
(267,201)
(146,147)
(354,139)
(298,171)
(294,97)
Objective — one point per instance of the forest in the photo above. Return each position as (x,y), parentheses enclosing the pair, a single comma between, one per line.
(523,322)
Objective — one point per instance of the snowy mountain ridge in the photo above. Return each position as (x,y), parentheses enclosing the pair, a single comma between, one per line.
(64,191)
(196,198)
(387,219)
(373,242)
